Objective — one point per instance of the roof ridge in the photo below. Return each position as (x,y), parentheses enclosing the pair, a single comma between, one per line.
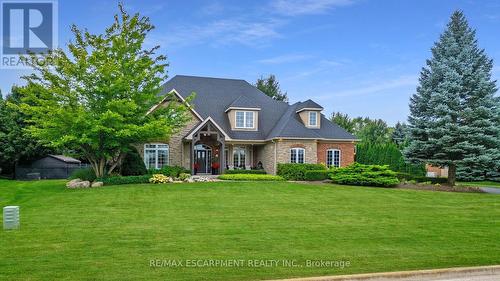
(207,77)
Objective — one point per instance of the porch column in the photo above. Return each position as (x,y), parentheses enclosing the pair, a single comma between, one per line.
(191,156)
(222,159)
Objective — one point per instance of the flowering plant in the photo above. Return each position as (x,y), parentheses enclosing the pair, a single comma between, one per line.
(159,178)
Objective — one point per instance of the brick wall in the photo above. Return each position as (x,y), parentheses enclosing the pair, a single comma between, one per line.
(346,152)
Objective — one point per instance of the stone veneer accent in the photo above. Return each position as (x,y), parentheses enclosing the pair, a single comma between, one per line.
(284,146)
(177,149)
(347,152)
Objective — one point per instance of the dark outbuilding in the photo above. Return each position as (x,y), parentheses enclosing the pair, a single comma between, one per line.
(49,167)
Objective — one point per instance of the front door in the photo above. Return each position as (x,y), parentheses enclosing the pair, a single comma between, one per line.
(203,155)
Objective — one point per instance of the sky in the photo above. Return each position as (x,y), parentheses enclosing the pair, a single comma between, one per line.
(360,57)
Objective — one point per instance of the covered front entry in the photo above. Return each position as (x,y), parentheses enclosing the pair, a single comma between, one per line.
(203,158)
(207,150)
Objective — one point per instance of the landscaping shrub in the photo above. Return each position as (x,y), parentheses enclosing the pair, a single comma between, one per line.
(116,180)
(86,174)
(184,176)
(317,175)
(408,177)
(159,178)
(369,175)
(171,171)
(254,172)
(251,177)
(133,165)
(296,172)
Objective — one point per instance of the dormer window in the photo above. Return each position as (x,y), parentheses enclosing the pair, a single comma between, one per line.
(313,118)
(244,120)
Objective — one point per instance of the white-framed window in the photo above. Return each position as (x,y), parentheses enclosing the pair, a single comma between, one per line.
(239,157)
(333,158)
(244,119)
(297,155)
(313,118)
(156,155)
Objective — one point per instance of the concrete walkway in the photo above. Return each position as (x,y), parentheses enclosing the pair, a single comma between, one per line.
(491,190)
(481,273)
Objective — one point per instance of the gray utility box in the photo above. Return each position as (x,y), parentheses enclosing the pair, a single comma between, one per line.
(11,217)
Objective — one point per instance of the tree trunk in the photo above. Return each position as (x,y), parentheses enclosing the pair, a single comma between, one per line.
(452,171)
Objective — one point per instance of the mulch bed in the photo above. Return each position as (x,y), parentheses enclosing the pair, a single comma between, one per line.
(444,188)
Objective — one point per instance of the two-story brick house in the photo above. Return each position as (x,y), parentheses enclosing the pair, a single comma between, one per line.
(237,126)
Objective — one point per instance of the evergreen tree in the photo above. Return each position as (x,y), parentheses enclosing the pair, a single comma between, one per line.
(454,115)
(399,136)
(271,87)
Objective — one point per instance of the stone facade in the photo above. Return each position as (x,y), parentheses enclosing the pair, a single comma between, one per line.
(284,146)
(347,152)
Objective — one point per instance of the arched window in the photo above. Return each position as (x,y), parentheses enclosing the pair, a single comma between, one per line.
(297,155)
(156,155)
(333,158)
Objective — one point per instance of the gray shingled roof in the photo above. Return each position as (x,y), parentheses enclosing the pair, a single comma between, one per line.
(66,159)
(276,118)
(308,104)
(244,102)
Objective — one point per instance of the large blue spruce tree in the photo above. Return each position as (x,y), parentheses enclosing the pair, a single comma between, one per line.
(455,116)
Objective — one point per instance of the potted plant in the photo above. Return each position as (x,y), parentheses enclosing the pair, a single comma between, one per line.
(215,168)
(196,166)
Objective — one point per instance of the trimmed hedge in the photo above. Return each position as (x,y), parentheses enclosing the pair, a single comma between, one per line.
(297,172)
(367,175)
(250,177)
(117,180)
(317,175)
(408,177)
(254,172)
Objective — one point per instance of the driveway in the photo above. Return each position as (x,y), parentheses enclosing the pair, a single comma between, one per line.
(480,273)
(491,190)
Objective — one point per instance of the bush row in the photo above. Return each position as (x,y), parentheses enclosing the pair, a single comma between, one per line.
(250,177)
(254,172)
(117,180)
(297,172)
(368,175)
(317,175)
(409,177)
(170,171)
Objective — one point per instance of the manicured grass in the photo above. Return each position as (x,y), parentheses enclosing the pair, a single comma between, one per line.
(112,233)
(481,183)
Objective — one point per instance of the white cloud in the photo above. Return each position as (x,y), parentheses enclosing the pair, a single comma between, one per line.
(375,87)
(222,32)
(306,7)
(289,58)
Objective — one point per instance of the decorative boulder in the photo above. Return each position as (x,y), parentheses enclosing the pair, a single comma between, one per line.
(83,184)
(73,183)
(97,184)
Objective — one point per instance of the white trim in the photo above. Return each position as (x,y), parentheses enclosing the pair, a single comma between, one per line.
(244,119)
(309,119)
(190,136)
(156,149)
(297,156)
(333,155)
(309,108)
(181,98)
(243,108)
(294,138)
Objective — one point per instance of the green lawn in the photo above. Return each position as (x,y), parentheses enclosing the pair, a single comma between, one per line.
(112,233)
(481,183)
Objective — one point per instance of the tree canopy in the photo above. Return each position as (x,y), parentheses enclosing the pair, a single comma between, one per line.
(454,115)
(271,87)
(97,99)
